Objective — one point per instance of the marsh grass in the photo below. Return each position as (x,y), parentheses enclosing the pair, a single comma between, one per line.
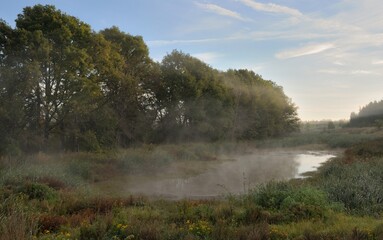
(355,179)
(54,197)
(16,218)
(339,138)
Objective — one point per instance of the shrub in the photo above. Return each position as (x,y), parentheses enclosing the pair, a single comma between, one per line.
(295,203)
(81,169)
(38,191)
(51,222)
(367,150)
(52,182)
(98,230)
(120,231)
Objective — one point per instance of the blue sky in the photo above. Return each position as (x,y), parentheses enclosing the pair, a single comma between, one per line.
(327,54)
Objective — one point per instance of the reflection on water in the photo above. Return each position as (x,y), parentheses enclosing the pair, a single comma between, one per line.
(233,176)
(310,161)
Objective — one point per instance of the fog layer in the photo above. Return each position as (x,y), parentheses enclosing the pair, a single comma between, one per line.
(236,175)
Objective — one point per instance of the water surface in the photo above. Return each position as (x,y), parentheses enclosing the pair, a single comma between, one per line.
(233,176)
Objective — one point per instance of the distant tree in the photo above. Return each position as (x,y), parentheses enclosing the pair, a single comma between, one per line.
(379,123)
(330,125)
(368,115)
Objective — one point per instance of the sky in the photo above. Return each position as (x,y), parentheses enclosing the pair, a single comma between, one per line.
(326,54)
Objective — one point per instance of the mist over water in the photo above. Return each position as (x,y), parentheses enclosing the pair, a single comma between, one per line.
(233,176)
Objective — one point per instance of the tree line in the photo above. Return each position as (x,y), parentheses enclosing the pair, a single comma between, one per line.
(65,86)
(369,115)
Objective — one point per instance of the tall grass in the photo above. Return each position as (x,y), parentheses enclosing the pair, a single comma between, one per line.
(355,180)
(339,138)
(16,219)
(50,197)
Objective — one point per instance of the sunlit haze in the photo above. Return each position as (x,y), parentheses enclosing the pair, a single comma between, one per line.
(327,55)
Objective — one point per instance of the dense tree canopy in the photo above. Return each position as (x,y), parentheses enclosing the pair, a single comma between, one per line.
(64,86)
(369,115)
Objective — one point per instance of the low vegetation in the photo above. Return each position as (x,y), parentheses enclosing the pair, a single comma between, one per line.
(56,197)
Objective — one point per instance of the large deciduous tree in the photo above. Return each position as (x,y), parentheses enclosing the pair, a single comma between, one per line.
(129,91)
(261,109)
(193,103)
(64,85)
(51,61)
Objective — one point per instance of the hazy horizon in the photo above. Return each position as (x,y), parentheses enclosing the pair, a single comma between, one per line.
(327,55)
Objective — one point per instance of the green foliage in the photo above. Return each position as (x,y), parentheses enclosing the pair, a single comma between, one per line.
(354,189)
(355,181)
(38,191)
(64,86)
(277,210)
(260,108)
(337,138)
(330,125)
(366,150)
(81,168)
(16,218)
(98,230)
(295,203)
(89,142)
(201,229)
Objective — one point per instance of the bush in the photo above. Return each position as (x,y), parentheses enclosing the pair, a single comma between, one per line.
(51,223)
(38,191)
(81,169)
(97,230)
(295,203)
(365,151)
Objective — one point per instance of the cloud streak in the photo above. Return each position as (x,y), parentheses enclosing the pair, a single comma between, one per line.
(190,41)
(207,56)
(348,72)
(220,11)
(272,8)
(307,50)
(186,41)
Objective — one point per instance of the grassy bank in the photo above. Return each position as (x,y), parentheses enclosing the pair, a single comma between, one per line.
(334,138)
(56,197)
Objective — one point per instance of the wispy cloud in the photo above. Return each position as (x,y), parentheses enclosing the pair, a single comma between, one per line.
(363,72)
(156,43)
(271,7)
(307,50)
(185,41)
(377,62)
(331,71)
(207,57)
(220,11)
(339,63)
(348,72)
